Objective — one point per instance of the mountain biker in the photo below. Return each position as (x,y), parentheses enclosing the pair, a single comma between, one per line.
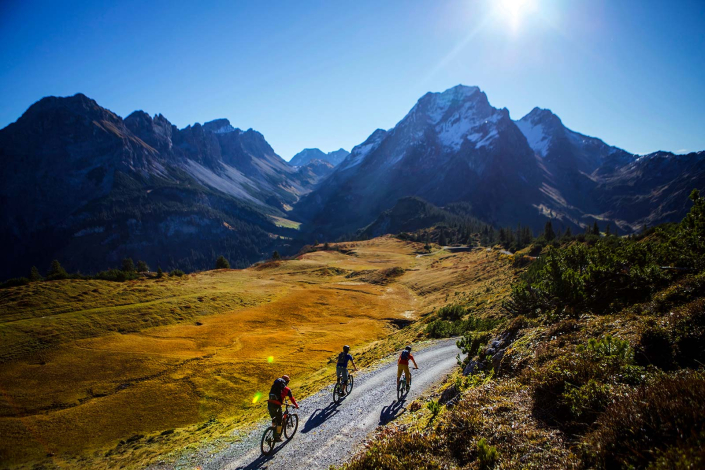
(403,365)
(277,394)
(341,369)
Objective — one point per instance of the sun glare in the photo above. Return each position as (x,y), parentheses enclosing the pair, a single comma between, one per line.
(514,10)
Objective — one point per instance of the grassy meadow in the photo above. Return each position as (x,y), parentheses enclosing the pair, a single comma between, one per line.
(99,374)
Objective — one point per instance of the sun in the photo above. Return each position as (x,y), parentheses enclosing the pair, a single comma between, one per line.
(514,10)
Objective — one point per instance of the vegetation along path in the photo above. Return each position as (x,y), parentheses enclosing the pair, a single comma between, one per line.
(330,434)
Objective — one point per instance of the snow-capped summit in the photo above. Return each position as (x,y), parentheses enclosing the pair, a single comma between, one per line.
(538,127)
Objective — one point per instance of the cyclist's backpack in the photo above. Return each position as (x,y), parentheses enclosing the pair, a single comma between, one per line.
(275,393)
(405,355)
(341,358)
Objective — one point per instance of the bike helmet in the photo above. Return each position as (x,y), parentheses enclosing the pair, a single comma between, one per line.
(286,378)
(346,348)
(408,348)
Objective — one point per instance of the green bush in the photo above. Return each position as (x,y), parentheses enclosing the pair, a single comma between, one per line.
(662,422)
(176,272)
(487,455)
(14,282)
(116,275)
(451,312)
(577,386)
(434,407)
(605,274)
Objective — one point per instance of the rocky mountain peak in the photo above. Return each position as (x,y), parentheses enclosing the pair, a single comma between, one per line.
(219,126)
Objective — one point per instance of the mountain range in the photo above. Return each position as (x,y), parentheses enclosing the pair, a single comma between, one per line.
(83,185)
(454,146)
(305,156)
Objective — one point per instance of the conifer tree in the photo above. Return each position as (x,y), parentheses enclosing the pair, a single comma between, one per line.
(56,271)
(222,263)
(276,256)
(548,233)
(142,267)
(128,265)
(34,274)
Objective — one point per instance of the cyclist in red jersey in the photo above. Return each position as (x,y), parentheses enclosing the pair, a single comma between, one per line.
(403,364)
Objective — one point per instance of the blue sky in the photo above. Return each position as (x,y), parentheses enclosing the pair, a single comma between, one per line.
(327,74)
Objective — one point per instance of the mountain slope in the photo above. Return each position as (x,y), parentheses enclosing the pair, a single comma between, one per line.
(81,184)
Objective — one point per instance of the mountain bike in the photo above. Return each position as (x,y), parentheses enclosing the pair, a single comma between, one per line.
(338,388)
(290,423)
(404,386)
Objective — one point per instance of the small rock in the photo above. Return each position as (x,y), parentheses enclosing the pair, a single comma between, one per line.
(448,394)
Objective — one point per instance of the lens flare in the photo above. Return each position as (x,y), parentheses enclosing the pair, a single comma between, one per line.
(256,398)
(270,359)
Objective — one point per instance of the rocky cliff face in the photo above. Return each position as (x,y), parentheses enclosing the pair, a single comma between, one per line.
(81,184)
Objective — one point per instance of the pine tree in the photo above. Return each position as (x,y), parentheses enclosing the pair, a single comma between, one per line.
(568,233)
(34,274)
(595,229)
(142,267)
(160,273)
(442,238)
(607,230)
(56,271)
(128,265)
(222,263)
(548,233)
(276,256)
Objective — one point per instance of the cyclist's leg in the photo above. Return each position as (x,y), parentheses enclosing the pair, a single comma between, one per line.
(275,411)
(344,377)
(408,375)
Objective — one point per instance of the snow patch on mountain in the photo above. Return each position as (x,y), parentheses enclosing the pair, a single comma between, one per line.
(535,135)
(359,152)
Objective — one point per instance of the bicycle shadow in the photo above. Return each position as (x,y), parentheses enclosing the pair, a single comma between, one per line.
(319,416)
(393,411)
(261,461)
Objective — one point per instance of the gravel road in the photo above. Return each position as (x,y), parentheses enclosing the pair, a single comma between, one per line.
(330,434)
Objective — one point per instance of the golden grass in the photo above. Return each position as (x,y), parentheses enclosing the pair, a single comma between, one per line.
(93,372)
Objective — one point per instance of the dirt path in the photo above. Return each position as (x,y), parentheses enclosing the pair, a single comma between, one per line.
(330,434)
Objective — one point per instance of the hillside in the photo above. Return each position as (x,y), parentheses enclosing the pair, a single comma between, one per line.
(598,364)
(99,373)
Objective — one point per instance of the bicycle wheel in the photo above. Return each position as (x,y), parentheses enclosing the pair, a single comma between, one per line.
(267,445)
(400,389)
(291,425)
(337,393)
(351,382)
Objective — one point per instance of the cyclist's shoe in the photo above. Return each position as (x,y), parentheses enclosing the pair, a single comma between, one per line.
(278,438)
